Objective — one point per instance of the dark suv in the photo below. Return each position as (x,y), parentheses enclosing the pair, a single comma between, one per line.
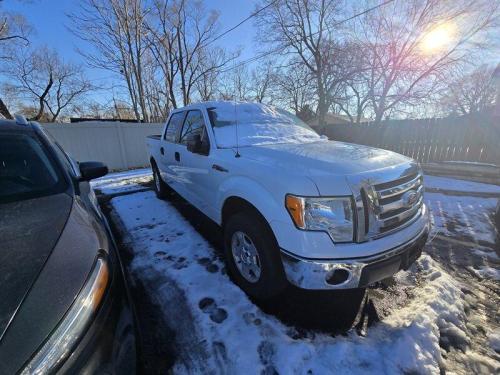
(64,304)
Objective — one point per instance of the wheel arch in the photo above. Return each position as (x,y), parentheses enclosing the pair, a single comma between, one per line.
(235,204)
(152,161)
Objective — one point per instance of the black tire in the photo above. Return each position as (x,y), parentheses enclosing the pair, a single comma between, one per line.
(272,280)
(161,188)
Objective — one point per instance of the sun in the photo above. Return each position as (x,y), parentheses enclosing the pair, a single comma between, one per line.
(438,38)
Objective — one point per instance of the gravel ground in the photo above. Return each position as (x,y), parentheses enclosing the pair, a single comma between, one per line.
(440,316)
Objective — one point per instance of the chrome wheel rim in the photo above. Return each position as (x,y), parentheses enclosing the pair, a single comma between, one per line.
(245,257)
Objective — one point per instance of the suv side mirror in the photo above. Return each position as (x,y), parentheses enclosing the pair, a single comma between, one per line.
(92,169)
(195,144)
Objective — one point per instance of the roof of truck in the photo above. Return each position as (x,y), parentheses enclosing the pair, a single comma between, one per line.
(212,103)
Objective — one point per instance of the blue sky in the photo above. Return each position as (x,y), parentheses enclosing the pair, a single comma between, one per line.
(48,18)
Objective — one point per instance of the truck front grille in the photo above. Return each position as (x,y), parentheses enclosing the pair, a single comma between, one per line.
(395,203)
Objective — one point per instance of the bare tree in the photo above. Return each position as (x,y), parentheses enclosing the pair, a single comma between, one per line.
(294,89)
(14,32)
(470,92)
(13,28)
(115,29)
(161,36)
(262,84)
(402,68)
(235,84)
(47,81)
(192,28)
(305,28)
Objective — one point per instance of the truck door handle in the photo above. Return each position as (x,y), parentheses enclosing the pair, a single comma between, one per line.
(219,168)
(162,151)
(177,156)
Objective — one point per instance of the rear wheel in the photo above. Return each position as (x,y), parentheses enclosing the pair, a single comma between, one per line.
(161,188)
(253,256)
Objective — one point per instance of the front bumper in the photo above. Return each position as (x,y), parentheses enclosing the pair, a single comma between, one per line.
(352,273)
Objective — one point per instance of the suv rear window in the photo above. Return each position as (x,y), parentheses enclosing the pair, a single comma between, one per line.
(27,170)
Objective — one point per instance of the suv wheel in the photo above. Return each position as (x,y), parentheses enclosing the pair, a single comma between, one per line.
(161,188)
(253,256)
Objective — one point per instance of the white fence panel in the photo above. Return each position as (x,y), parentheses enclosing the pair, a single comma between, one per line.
(120,145)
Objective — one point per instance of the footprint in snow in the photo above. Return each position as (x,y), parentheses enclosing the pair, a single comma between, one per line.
(208,306)
(266,352)
(220,350)
(250,318)
(160,253)
(204,261)
(209,266)
(212,268)
(181,263)
(297,333)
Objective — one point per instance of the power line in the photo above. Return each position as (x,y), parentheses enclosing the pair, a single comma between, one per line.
(241,22)
(281,49)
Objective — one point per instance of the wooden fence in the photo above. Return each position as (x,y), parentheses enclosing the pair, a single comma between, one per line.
(471,138)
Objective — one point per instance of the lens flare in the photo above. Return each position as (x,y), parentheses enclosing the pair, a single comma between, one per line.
(438,38)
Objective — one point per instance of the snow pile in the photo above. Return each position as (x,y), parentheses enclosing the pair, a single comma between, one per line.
(250,124)
(229,334)
(494,339)
(123,181)
(455,184)
(486,272)
(454,215)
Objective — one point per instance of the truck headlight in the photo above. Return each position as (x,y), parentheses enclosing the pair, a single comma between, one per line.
(72,327)
(333,215)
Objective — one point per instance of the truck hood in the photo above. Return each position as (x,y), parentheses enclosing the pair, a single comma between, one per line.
(324,160)
(29,231)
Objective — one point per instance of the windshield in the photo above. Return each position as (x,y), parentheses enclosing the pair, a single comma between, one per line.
(26,169)
(257,124)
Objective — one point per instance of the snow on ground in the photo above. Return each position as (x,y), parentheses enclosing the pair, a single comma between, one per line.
(241,338)
(463,215)
(219,330)
(494,338)
(126,181)
(486,272)
(447,183)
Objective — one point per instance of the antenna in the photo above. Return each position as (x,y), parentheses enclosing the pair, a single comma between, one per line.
(237,155)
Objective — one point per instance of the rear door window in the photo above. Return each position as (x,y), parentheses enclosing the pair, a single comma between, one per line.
(194,124)
(173,126)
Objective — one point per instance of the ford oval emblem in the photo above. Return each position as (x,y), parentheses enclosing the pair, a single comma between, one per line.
(409,198)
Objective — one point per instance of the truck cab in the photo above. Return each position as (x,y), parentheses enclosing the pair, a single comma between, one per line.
(295,207)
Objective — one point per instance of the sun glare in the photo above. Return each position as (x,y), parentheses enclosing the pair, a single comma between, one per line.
(438,38)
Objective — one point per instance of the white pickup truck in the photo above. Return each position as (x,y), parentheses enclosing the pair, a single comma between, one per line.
(295,207)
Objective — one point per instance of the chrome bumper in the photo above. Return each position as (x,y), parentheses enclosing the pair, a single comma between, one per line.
(352,273)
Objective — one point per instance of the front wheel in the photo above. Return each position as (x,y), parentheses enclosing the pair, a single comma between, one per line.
(253,256)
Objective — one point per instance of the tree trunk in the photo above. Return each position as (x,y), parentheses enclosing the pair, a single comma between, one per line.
(42,99)
(322,102)
(378,116)
(4,111)
(322,107)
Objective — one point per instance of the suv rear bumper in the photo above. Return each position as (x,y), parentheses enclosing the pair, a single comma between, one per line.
(353,273)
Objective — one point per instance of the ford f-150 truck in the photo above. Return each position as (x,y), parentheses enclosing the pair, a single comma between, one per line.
(294,206)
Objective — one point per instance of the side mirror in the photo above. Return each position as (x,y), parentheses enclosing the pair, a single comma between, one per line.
(195,145)
(92,169)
